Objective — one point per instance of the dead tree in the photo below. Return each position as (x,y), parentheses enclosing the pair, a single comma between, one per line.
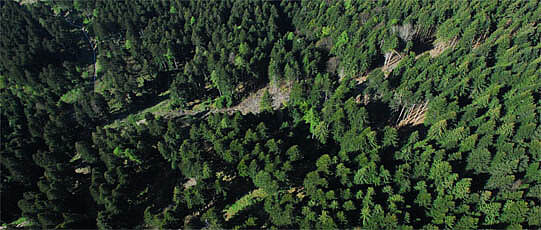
(414,115)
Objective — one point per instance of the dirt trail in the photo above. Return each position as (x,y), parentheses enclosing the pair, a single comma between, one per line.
(439,47)
(279,93)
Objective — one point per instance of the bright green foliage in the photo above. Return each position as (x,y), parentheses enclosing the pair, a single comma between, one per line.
(265,103)
(126,153)
(173,10)
(71,96)
(128,45)
(244,202)
(141,114)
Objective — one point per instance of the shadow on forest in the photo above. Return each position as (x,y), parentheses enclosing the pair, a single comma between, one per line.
(144,102)
(85,57)
(380,114)
(417,213)
(138,107)
(420,46)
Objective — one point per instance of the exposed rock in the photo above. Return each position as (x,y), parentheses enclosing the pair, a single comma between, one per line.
(332,64)
(85,170)
(191,182)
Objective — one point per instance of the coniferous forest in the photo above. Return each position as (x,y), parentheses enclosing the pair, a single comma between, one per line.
(373,114)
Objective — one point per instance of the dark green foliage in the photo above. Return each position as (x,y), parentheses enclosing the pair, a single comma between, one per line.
(394,114)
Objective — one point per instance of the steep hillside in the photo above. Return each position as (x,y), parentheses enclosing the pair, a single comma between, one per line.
(400,114)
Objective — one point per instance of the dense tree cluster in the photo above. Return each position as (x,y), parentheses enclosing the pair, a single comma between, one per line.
(417,114)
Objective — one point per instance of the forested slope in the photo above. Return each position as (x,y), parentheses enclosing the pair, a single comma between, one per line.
(271,114)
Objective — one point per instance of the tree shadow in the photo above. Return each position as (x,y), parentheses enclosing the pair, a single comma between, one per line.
(421,45)
(380,114)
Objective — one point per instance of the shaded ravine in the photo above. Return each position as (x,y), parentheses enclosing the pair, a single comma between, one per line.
(279,92)
(92,46)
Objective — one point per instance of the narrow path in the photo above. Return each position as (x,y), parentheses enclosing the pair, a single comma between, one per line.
(93,46)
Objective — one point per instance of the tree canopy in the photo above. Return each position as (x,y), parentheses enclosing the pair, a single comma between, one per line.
(413,114)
